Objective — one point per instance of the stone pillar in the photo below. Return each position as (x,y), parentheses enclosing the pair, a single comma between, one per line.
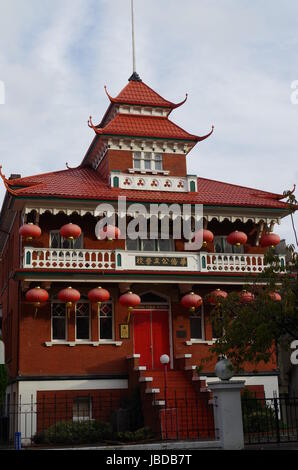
(228,412)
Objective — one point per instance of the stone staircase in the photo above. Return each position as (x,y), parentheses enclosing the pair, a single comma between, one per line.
(182,410)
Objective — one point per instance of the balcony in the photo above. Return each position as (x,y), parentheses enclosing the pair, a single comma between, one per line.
(119,260)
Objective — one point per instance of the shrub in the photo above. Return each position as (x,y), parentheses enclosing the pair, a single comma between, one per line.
(74,432)
(88,432)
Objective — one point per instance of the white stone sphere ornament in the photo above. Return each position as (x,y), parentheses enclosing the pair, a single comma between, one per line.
(224,369)
(164,359)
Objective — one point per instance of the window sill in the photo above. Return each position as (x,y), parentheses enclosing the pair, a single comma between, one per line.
(82,343)
(199,341)
(148,172)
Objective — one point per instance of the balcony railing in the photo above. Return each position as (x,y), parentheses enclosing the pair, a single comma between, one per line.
(119,260)
(53,258)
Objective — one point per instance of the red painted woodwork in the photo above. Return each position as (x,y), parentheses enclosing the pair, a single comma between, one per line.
(151,336)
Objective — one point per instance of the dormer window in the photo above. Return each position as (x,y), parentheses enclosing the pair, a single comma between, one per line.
(147,161)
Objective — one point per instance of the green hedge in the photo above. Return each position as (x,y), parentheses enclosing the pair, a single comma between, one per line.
(87,432)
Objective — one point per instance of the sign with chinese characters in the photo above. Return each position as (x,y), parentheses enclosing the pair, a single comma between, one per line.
(124,331)
(161,261)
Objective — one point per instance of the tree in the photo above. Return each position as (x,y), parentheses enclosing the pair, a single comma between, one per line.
(251,332)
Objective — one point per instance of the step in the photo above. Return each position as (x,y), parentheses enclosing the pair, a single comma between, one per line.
(140,368)
(152,390)
(145,379)
(134,356)
(159,403)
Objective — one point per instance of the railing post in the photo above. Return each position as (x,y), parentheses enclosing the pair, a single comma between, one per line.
(276,413)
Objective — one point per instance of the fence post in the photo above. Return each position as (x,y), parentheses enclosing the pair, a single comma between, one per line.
(276,414)
(228,412)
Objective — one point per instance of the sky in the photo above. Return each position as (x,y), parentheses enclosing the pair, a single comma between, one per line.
(236,59)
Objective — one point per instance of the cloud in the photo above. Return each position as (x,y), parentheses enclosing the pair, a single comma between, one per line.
(235,59)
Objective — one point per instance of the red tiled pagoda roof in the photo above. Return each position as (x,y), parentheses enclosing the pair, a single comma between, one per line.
(145,126)
(138,93)
(86,183)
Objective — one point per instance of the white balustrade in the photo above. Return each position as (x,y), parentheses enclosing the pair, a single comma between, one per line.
(53,258)
(237,263)
(58,258)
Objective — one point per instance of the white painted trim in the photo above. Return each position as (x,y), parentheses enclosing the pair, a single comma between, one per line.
(199,341)
(133,356)
(82,343)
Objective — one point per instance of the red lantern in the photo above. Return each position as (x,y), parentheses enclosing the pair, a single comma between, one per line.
(37,296)
(109,232)
(206,235)
(70,296)
(237,238)
(29,231)
(216,296)
(269,239)
(246,297)
(129,300)
(191,301)
(275,296)
(70,231)
(98,295)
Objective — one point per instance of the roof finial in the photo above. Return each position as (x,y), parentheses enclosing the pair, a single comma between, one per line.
(133,38)
(134,77)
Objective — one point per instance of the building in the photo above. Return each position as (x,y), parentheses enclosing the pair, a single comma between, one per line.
(77,350)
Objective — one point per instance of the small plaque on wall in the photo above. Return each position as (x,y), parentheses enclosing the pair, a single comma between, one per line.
(124,331)
(181,333)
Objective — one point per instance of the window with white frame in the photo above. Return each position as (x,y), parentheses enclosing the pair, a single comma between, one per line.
(147,161)
(197,324)
(57,241)
(59,330)
(106,321)
(82,409)
(222,246)
(157,244)
(83,329)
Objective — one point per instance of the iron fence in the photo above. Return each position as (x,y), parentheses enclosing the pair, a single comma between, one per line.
(93,418)
(270,420)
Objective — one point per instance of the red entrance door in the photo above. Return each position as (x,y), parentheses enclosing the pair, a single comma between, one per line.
(151,336)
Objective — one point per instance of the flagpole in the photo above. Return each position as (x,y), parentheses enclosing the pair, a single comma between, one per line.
(133,37)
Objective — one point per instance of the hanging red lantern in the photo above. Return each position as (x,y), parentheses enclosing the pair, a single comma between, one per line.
(191,301)
(129,300)
(109,232)
(29,231)
(269,239)
(98,295)
(216,296)
(275,296)
(70,231)
(206,235)
(37,296)
(237,238)
(246,297)
(70,296)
